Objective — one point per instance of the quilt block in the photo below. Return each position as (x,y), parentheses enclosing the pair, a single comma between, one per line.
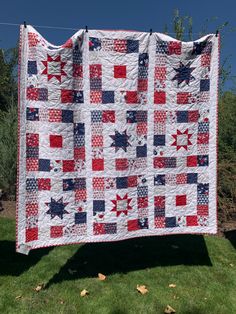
(117,137)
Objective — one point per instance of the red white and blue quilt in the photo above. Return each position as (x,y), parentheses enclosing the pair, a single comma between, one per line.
(117,137)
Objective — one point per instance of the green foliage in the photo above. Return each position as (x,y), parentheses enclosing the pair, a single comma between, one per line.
(8,149)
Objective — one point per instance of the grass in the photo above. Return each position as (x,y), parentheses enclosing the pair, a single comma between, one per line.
(203,269)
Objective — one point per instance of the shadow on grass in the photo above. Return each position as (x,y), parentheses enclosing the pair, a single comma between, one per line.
(134,254)
(14,264)
(231,236)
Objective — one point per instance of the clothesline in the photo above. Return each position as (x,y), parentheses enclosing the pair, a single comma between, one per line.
(74,29)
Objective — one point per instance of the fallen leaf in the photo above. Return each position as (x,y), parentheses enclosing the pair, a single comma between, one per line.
(101,277)
(39,287)
(18,297)
(169,310)
(72,271)
(62,301)
(231,265)
(84,292)
(142,289)
(172,285)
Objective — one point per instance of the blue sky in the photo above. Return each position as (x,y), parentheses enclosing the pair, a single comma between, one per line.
(120,14)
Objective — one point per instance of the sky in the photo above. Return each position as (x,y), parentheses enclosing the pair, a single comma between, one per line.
(138,15)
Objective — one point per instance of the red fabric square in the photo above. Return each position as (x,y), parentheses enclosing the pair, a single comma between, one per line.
(32,164)
(181,178)
(122,164)
(191,221)
(119,71)
(80,195)
(98,228)
(202,210)
(159,98)
(108,116)
(142,202)
(32,93)
(44,184)
(133,225)
(98,164)
(180,200)
(174,47)
(193,116)
(68,44)
(142,85)
(31,209)
(131,97)
(203,138)
(95,70)
(159,162)
(205,60)
(160,73)
(191,161)
(56,231)
(31,234)
(66,96)
(95,97)
(160,116)
(55,115)
(183,98)
(159,201)
(142,128)
(132,181)
(33,39)
(159,222)
(98,184)
(79,153)
(120,45)
(68,165)
(97,140)
(77,70)
(55,141)
(32,139)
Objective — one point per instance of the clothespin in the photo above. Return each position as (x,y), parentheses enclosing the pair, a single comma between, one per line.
(150,31)
(86,28)
(217,32)
(25,24)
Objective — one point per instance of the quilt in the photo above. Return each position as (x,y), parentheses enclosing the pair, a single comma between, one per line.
(117,137)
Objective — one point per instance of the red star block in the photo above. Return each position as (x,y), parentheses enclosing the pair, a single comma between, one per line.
(119,71)
(182,139)
(121,205)
(54,68)
(181,200)
(55,141)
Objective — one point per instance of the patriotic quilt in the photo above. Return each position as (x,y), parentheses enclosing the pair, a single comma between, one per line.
(117,137)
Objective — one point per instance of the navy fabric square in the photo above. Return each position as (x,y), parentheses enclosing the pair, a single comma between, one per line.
(78,97)
(43,94)
(95,84)
(142,191)
(198,47)
(32,152)
(98,206)
(68,185)
(191,178)
(141,116)
(67,116)
(143,223)
(121,182)
(79,140)
(107,97)
(131,116)
(141,151)
(80,184)
(142,72)
(204,85)
(110,228)
(170,222)
(162,47)
(44,165)
(202,199)
(96,116)
(182,116)
(159,140)
(94,44)
(31,185)
(32,114)
(79,129)
(202,160)
(203,127)
(132,45)
(32,67)
(80,218)
(159,212)
(203,188)
(170,162)
(77,55)
(160,179)
(143,59)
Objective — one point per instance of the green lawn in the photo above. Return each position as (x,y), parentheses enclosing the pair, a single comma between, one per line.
(203,269)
